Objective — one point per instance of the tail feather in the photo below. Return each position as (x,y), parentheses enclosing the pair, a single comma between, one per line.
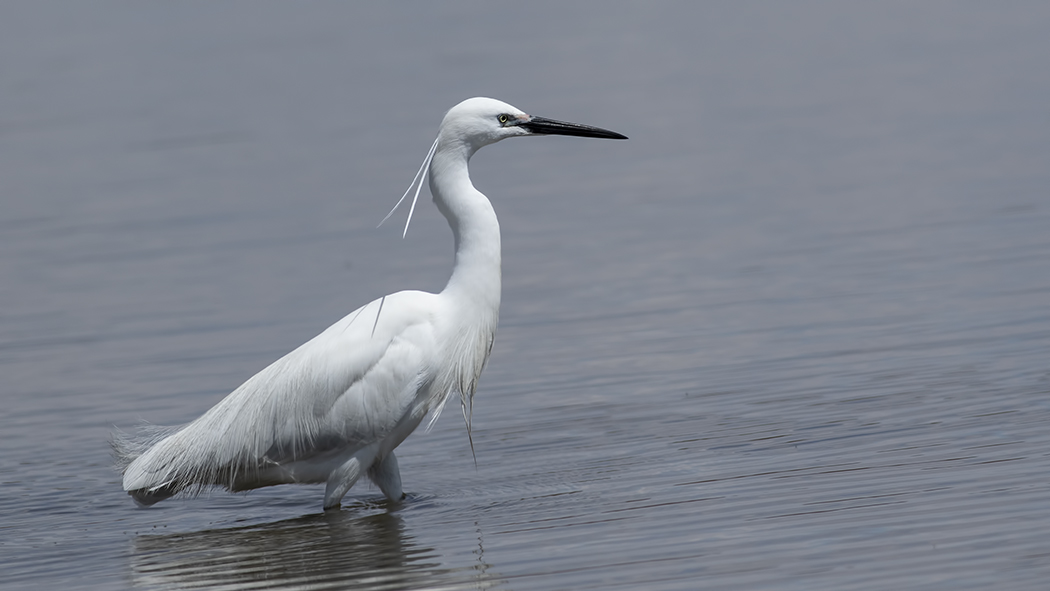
(160,462)
(147,497)
(128,447)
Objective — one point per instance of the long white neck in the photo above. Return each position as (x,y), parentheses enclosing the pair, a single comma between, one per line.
(476,271)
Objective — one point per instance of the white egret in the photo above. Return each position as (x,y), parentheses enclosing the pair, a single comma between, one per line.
(335,408)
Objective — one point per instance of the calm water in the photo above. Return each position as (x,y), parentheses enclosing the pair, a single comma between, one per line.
(794,334)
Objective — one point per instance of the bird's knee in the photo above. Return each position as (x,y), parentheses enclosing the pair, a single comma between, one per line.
(340,481)
(387,477)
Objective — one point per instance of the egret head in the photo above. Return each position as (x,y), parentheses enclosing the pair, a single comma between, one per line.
(482,121)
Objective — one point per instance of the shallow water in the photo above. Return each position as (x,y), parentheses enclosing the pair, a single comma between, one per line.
(794,334)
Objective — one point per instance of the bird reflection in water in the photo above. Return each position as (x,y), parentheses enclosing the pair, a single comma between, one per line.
(326,551)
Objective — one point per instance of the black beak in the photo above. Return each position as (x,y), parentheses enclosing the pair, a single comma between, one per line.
(543,126)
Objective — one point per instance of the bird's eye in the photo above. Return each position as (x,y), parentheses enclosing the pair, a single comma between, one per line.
(503,118)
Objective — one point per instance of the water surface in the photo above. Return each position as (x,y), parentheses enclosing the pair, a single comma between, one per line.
(794,334)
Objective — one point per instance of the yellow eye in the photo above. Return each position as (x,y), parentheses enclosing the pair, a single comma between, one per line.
(503,118)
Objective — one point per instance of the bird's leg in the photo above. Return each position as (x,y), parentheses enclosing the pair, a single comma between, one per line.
(387,477)
(342,478)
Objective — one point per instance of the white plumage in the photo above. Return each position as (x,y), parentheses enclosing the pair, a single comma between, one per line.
(335,408)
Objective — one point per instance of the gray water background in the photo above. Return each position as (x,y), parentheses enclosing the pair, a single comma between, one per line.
(793,334)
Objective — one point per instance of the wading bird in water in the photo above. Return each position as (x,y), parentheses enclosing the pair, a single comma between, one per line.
(335,408)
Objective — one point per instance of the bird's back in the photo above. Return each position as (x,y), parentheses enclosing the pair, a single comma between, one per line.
(351,386)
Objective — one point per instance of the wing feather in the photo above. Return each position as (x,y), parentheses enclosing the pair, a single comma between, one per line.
(348,386)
